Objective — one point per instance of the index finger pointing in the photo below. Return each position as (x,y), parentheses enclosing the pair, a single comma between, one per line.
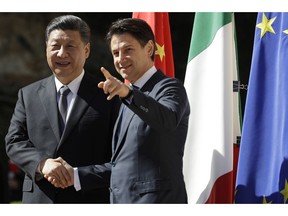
(106,73)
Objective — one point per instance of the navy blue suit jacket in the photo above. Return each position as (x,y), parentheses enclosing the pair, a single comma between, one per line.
(146,164)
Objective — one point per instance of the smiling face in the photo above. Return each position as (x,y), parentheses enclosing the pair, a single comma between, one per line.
(131,60)
(66,54)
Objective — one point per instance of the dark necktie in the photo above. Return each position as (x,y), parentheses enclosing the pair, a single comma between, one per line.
(64,91)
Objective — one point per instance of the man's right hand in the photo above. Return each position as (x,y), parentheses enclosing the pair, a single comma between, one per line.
(113,86)
(58,172)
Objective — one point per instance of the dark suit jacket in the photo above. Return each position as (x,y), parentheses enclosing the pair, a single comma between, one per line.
(146,165)
(34,135)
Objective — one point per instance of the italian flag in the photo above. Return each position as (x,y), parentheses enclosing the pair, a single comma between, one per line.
(159,23)
(211,153)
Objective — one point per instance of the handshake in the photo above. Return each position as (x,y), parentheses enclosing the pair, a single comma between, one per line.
(58,172)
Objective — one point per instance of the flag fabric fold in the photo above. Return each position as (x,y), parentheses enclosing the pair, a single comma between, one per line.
(263,159)
(159,22)
(214,123)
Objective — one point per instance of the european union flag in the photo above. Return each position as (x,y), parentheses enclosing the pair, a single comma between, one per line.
(263,160)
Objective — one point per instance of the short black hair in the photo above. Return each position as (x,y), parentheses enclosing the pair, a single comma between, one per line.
(69,22)
(138,28)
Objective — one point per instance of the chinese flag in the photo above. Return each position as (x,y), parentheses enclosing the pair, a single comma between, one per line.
(159,23)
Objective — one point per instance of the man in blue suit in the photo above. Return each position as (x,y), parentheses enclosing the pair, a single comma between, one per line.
(150,132)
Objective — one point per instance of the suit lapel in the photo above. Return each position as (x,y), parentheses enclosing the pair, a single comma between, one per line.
(77,111)
(84,96)
(126,119)
(146,89)
(116,128)
(48,97)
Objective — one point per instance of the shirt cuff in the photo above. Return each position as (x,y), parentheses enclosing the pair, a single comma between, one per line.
(77,184)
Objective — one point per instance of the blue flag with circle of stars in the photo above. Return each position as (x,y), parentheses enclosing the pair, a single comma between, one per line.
(263,160)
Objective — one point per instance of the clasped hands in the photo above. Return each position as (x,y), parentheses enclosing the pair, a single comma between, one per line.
(58,172)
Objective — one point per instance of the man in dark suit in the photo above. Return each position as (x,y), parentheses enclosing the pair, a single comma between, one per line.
(38,135)
(150,132)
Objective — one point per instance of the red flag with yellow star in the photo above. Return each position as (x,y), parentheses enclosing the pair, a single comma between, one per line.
(159,23)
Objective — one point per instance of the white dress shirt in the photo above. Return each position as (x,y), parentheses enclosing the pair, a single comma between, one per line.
(73,86)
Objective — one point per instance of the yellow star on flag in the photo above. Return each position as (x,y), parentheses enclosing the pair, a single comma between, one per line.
(265,201)
(160,51)
(286,31)
(266,25)
(284,192)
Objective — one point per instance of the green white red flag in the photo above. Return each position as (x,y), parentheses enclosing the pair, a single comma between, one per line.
(214,124)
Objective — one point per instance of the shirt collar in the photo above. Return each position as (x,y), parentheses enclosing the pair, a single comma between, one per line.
(146,76)
(73,85)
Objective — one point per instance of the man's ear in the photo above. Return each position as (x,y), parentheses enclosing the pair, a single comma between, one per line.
(87,50)
(150,47)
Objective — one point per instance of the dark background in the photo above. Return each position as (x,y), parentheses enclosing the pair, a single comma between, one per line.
(22,42)
(181,25)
